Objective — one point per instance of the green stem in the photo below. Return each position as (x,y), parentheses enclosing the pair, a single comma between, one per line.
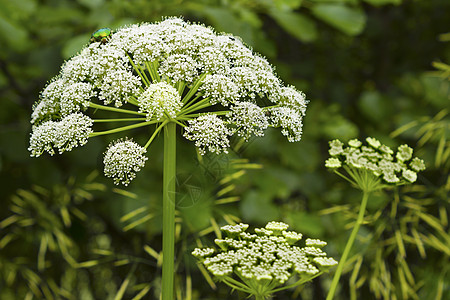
(194,88)
(144,79)
(169,210)
(297,283)
(155,133)
(119,129)
(152,68)
(218,113)
(125,111)
(197,106)
(118,120)
(348,246)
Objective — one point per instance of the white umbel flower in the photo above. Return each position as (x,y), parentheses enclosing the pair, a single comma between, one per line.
(208,132)
(290,120)
(294,99)
(76,97)
(220,88)
(72,131)
(160,99)
(122,160)
(42,138)
(377,160)
(179,67)
(249,119)
(264,259)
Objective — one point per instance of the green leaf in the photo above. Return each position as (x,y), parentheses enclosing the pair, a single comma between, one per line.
(299,26)
(349,20)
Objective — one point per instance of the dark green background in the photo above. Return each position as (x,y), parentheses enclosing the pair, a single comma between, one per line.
(365,66)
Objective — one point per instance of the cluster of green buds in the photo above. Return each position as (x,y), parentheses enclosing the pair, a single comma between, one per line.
(373,166)
(259,263)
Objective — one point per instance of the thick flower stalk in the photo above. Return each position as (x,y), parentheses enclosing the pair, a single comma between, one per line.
(260,264)
(161,76)
(369,168)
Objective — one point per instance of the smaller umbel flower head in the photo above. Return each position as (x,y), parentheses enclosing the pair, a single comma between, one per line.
(123,159)
(208,132)
(70,132)
(374,166)
(265,260)
(160,99)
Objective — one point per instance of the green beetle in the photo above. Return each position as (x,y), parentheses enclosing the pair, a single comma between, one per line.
(103,35)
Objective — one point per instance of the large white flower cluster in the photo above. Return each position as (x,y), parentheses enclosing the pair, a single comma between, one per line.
(270,256)
(143,67)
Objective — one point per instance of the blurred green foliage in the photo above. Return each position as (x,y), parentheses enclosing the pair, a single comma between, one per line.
(370,68)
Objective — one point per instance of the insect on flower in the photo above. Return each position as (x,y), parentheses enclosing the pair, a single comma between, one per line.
(103,35)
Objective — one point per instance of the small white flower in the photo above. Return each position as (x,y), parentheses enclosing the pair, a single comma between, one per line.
(290,121)
(160,99)
(76,97)
(377,159)
(390,177)
(249,119)
(335,147)
(409,175)
(315,243)
(417,164)
(266,258)
(212,60)
(179,67)
(117,86)
(209,132)
(404,153)
(198,252)
(355,143)
(325,261)
(293,98)
(73,131)
(44,110)
(292,236)
(373,142)
(277,226)
(333,163)
(42,138)
(220,88)
(122,160)
(234,229)
(247,81)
